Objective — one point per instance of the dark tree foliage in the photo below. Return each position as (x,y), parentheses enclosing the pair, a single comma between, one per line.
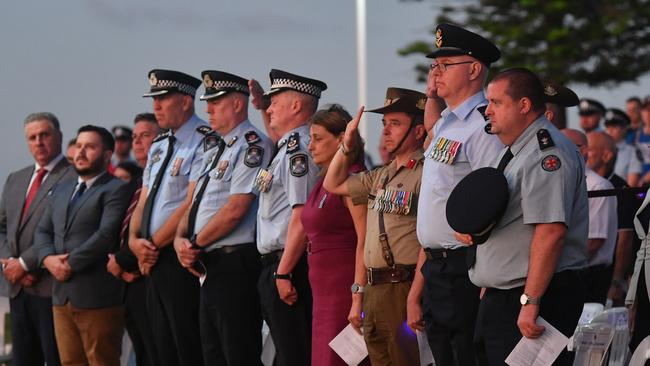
(569,41)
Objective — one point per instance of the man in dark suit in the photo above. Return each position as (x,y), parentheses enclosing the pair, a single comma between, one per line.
(79,229)
(23,203)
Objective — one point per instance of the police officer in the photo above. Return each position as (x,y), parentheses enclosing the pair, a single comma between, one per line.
(173,166)
(591,112)
(529,263)
(284,187)
(123,138)
(222,215)
(391,246)
(460,145)
(628,165)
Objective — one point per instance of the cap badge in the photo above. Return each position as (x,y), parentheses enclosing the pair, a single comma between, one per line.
(609,115)
(584,105)
(439,38)
(207,81)
(550,90)
(421,103)
(389,101)
(153,80)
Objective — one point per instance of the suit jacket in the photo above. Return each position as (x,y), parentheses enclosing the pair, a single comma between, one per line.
(642,256)
(88,233)
(16,237)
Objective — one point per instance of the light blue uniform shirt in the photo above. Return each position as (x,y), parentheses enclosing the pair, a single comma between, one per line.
(234,174)
(183,168)
(464,125)
(287,190)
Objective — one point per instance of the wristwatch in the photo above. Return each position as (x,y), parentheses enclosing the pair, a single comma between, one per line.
(278,276)
(356,288)
(525,300)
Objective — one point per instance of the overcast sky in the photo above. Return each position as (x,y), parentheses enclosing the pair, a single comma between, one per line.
(87,60)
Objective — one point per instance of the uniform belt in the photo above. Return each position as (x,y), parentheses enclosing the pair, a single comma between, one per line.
(271,258)
(230,249)
(400,273)
(434,254)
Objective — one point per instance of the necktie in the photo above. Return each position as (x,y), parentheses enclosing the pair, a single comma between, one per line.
(191,220)
(471,251)
(33,189)
(148,205)
(124,235)
(77,195)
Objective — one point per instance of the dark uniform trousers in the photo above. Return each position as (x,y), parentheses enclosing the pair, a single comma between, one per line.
(34,342)
(230,316)
(450,305)
(597,280)
(173,309)
(290,325)
(497,333)
(137,324)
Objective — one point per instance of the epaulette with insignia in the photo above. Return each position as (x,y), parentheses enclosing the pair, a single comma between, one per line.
(232,141)
(204,130)
(161,136)
(210,140)
(293,143)
(252,137)
(544,139)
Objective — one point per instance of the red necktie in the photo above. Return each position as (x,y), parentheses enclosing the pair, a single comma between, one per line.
(33,189)
(124,236)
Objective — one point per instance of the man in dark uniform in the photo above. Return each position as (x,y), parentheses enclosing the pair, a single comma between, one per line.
(169,178)
(558,99)
(220,223)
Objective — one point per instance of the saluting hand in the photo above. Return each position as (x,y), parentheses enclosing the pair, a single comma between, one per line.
(257,95)
(527,321)
(349,137)
(431,90)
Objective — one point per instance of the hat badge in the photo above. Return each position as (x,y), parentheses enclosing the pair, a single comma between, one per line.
(584,104)
(550,90)
(421,103)
(389,101)
(609,115)
(207,81)
(439,38)
(153,80)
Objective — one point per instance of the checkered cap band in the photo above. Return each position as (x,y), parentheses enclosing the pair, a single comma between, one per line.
(226,84)
(297,85)
(183,88)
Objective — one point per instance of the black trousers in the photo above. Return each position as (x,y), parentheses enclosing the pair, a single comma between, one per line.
(497,333)
(32,331)
(173,311)
(230,316)
(290,325)
(597,280)
(450,304)
(137,324)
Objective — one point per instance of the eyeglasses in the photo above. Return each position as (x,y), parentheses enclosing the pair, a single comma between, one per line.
(443,66)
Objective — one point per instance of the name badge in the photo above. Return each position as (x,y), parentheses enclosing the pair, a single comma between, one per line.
(393,201)
(445,150)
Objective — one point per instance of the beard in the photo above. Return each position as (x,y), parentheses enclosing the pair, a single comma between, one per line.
(96,167)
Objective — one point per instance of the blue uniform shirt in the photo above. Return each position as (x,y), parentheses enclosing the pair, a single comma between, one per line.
(183,168)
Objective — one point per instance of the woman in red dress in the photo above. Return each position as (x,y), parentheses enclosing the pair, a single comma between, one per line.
(334,227)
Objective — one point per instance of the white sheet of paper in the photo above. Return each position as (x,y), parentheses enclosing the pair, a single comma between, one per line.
(541,351)
(350,346)
(426,357)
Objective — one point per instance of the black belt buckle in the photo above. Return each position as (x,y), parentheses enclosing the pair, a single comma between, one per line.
(369,275)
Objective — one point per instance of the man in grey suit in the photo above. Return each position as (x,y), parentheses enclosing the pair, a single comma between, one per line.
(73,239)
(23,202)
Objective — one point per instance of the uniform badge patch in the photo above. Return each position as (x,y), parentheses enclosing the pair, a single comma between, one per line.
(210,141)
(253,157)
(551,163)
(155,157)
(252,137)
(161,136)
(232,141)
(221,169)
(488,129)
(544,139)
(176,167)
(293,143)
(298,165)
(204,130)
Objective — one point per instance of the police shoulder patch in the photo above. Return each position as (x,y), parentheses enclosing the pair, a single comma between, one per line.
(204,130)
(551,163)
(298,165)
(544,139)
(210,141)
(251,137)
(488,129)
(253,157)
(161,136)
(293,143)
